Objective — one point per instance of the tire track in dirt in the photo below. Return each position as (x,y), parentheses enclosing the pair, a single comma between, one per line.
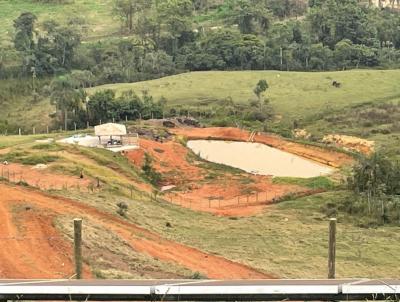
(138,238)
(31,246)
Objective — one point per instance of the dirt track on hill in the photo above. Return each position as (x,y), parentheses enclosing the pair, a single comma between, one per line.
(43,259)
(30,246)
(324,156)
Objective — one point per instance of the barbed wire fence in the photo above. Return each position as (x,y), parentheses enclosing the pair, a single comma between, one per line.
(241,200)
(219,201)
(18,177)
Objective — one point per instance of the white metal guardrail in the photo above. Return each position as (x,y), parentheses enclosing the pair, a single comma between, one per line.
(199,290)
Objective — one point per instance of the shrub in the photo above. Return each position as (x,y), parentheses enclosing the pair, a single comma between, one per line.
(48,147)
(197,275)
(38,159)
(149,172)
(375,182)
(122,208)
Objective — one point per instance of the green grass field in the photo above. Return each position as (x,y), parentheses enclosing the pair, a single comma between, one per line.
(96,14)
(289,239)
(294,95)
(297,95)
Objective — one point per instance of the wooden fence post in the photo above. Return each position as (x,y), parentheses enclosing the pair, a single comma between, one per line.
(332,248)
(78,247)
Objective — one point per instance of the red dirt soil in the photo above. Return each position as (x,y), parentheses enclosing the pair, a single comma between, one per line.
(41,178)
(218,195)
(25,255)
(169,158)
(324,156)
(227,199)
(31,246)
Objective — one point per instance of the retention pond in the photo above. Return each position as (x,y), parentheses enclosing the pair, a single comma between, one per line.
(257,158)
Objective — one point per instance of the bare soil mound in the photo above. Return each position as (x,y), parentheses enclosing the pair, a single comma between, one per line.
(170,159)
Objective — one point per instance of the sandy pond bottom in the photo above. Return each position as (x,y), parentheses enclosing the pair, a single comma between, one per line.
(257,158)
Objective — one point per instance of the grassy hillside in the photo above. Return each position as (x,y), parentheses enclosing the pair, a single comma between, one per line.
(95,13)
(293,94)
(21,109)
(289,239)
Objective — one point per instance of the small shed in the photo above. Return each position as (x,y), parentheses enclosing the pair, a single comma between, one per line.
(110,130)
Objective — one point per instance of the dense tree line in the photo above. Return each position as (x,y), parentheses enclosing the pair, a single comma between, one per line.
(48,52)
(163,39)
(105,106)
(74,106)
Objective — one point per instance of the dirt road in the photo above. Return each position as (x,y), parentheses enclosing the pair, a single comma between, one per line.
(30,246)
(38,259)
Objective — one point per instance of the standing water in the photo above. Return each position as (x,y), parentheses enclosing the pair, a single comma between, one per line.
(257,158)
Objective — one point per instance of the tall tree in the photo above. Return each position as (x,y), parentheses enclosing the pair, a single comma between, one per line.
(175,15)
(250,14)
(128,9)
(24,32)
(65,97)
